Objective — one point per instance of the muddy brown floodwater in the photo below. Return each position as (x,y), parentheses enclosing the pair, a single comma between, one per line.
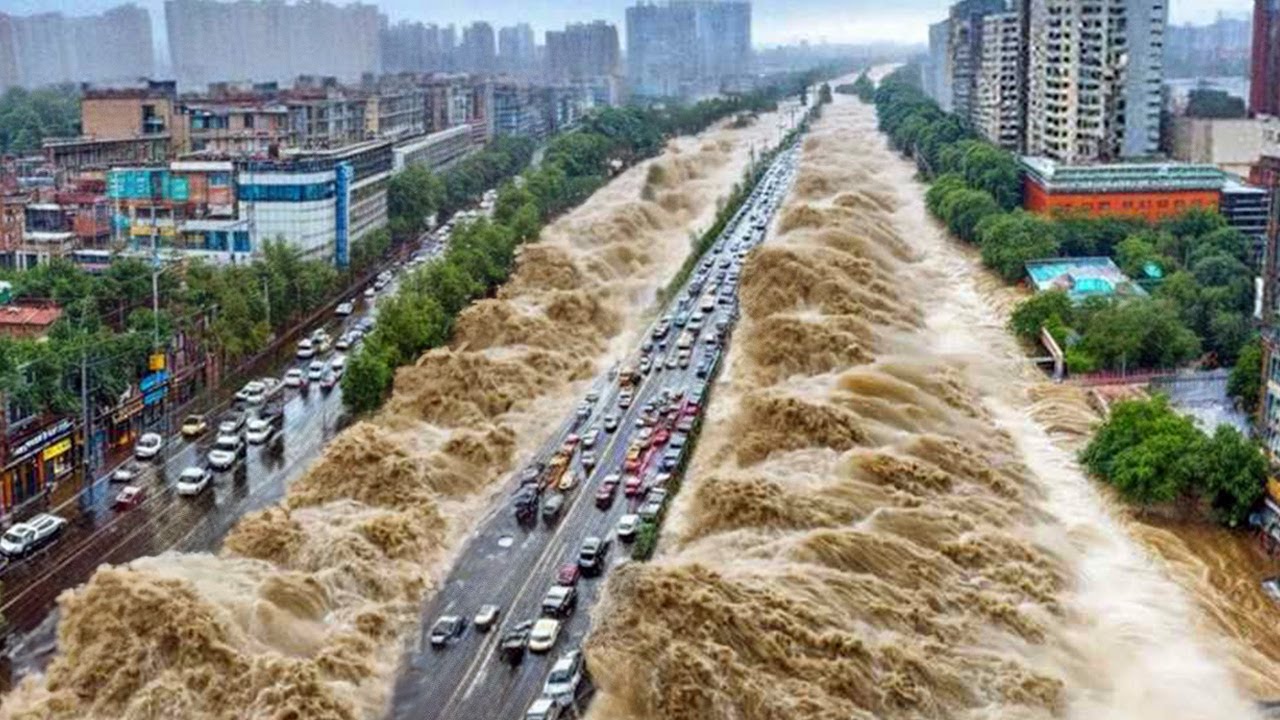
(884,518)
(303,612)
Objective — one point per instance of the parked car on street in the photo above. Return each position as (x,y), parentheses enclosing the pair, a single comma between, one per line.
(194,425)
(486,616)
(446,629)
(295,378)
(345,308)
(565,677)
(130,496)
(543,635)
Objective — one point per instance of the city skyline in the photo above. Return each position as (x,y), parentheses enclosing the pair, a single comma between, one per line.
(774,22)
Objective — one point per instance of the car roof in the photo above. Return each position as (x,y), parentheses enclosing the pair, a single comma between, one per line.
(192,471)
(546,624)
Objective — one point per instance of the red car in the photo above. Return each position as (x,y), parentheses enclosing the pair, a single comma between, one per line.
(661,436)
(632,486)
(129,497)
(568,574)
(608,489)
(571,443)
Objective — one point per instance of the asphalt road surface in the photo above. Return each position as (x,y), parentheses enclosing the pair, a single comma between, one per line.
(97,533)
(512,566)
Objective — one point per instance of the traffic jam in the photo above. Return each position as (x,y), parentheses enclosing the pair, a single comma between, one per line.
(626,441)
(206,455)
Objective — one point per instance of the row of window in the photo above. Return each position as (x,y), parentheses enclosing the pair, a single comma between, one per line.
(287,193)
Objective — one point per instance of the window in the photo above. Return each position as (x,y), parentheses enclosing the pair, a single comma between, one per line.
(248,121)
(287,193)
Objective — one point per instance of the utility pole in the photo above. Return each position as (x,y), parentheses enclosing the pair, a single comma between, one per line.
(87,423)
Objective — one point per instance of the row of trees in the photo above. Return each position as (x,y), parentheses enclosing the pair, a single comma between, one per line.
(481,254)
(1197,266)
(863,88)
(27,117)
(1155,456)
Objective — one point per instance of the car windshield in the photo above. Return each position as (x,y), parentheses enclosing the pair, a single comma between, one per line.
(559,674)
(14,536)
(191,475)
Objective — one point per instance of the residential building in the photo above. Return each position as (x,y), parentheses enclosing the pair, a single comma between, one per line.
(436,151)
(48,233)
(936,69)
(1246,208)
(517,50)
(1218,49)
(13,221)
(516,111)
(28,318)
(246,126)
(325,118)
(395,111)
(414,47)
(211,41)
(49,48)
(687,48)
(362,175)
(998,108)
(1094,78)
(478,52)
(130,113)
(1264,86)
(583,51)
(77,153)
(1233,145)
(966,46)
(448,102)
(1148,190)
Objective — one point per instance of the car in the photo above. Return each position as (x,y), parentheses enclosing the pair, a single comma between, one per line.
(315,371)
(232,423)
(344,342)
(525,504)
(345,308)
(551,508)
(635,456)
(1271,587)
(295,378)
(543,635)
(227,449)
(704,367)
(252,393)
(571,443)
(589,440)
(532,475)
(685,424)
(588,459)
(447,628)
(148,446)
(544,709)
(485,617)
(259,431)
(193,425)
(610,422)
(126,473)
(338,365)
(27,537)
(632,487)
(624,400)
(559,600)
(194,480)
(653,505)
(565,677)
(673,361)
(306,349)
(130,496)
(568,574)
(606,492)
(568,480)
(627,526)
(514,641)
(660,436)
(584,411)
(593,396)
(370,293)
(591,556)
(329,381)
(683,358)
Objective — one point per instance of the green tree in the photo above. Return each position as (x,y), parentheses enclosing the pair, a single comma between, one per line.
(367,379)
(1050,308)
(1211,103)
(1149,452)
(1138,332)
(1235,471)
(1245,383)
(1010,240)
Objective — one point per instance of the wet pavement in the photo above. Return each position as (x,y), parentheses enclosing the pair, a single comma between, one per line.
(513,566)
(97,533)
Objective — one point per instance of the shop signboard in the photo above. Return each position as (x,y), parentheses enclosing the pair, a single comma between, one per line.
(154,387)
(38,441)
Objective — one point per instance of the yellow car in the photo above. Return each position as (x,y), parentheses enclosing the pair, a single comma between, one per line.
(568,480)
(194,425)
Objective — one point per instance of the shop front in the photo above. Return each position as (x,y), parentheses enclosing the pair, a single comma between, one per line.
(36,459)
(126,423)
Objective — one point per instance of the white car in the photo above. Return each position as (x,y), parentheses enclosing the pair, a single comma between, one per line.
(148,446)
(565,677)
(343,343)
(316,370)
(259,431)
(544,634)
(338,364)
(24,537)
(544,709)
(295,378)
(226,450)
(306,349)
(370,293)
(193,481)
(252,393)
(627,527)
(345,308)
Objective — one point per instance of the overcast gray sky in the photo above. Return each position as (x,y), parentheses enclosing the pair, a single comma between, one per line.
(775,21)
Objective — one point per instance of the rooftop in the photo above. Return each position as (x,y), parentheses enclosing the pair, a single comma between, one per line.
(1082,277)
(1122,177)
(29,314)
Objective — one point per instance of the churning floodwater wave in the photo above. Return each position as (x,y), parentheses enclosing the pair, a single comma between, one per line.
(884,518)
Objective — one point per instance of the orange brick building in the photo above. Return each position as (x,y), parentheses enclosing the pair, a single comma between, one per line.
(1149,190)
